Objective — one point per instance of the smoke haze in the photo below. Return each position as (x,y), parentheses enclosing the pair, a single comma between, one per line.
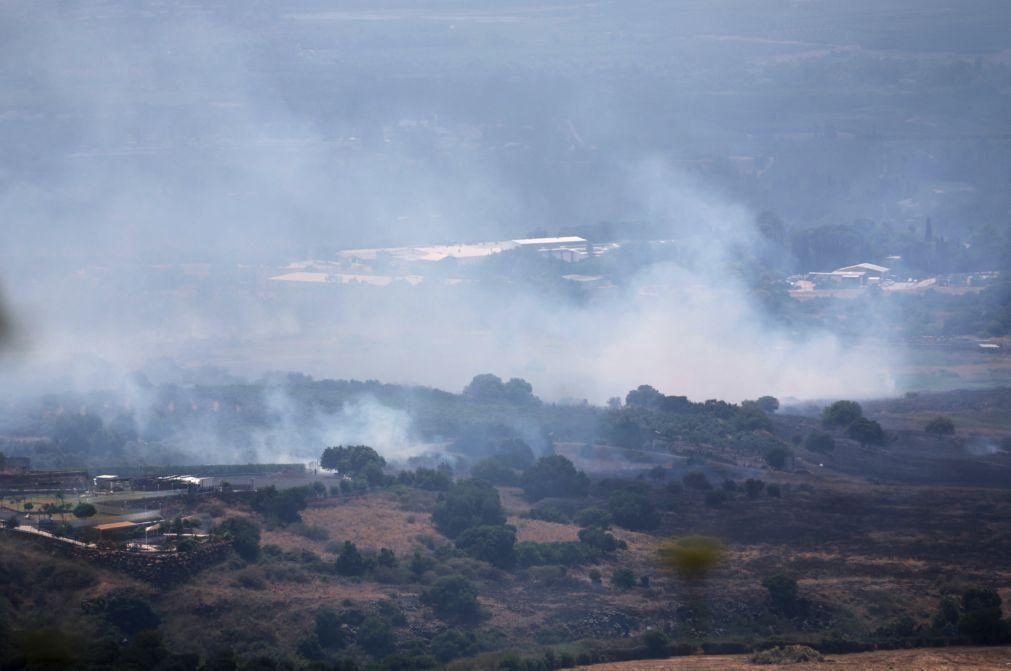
(161,162)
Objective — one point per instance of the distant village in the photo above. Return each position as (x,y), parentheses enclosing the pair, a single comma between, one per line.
(367,266)
(132,509)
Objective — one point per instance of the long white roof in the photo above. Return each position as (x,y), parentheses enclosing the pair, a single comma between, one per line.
(570,239)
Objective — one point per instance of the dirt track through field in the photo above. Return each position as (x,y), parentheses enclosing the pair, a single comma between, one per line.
(934,659)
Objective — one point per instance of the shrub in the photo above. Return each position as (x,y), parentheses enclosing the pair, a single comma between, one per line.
(387,558)
(491,543)
(376,636)
(940,426)
(452,643)
(420,563)
(350,561)
(782,591)
(948,613)
(696,480)
(127,609)
(494,471)
(594,576)
(312,532)
(330,631)
(431,479)
(284,506)
(601,540)
(818,441)
(753,487)
(551,510)
(593,517)
(623,578)
(773,490)
(716,498)
(452,598)
(633,510)
(529,553)
(657,643)
(778,456)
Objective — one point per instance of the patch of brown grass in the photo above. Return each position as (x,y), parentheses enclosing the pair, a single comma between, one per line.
(543,532)
(374,521)
(941,659)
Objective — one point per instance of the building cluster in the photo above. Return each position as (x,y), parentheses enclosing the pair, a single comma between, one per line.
(369,266)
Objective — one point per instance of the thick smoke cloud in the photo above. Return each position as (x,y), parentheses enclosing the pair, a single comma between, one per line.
(154,137)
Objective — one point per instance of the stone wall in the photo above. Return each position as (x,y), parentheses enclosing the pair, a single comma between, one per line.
(161,568)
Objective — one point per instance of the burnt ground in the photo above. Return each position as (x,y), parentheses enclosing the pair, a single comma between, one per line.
(867,535)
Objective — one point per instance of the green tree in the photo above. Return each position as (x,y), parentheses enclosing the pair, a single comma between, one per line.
(623,578)
(841,414)
(753,487)
(244,535)
(284,506)
(129,610)
(633,510)
(494,544)
(330,631)
(452,598)
(84,510)
(556,476)
(947,615)
(376,636)
(782,591)
(351,460)
(657,643)
(468,503)
(644,396)
(768,404)
(866,432)
(982,617)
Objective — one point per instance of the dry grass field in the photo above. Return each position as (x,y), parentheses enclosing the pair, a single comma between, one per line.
(943,659)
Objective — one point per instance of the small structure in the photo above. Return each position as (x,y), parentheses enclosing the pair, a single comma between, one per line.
(116,530)
(110,483)
(858,275)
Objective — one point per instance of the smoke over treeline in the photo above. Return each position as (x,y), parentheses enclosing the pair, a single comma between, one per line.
(161,162)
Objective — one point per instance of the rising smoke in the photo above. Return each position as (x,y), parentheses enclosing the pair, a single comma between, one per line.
(155,144)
